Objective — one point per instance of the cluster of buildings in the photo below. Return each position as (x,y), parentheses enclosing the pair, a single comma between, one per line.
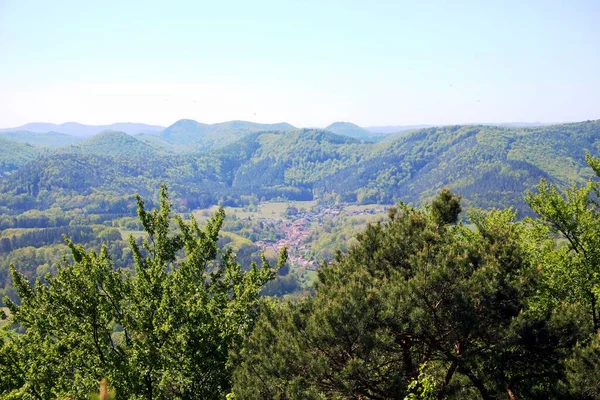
(297,229)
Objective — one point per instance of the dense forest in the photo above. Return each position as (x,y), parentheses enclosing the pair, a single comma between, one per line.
(422,306)
(489,166)
(481,282)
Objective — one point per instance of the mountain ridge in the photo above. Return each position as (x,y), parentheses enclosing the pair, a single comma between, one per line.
(82,130)
(211,136)
(489,166)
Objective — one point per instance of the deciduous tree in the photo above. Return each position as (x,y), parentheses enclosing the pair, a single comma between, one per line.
(164,332)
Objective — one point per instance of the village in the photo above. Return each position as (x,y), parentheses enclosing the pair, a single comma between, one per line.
(297,226)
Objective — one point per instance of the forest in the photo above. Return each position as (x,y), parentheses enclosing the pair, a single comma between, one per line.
(54,183)
(452,262)
(422,306)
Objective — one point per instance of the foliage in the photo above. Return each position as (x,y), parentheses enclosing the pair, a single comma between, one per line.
(165,331)
(489,166)
(415,292)
(15,155)
(572,272)
(209,136)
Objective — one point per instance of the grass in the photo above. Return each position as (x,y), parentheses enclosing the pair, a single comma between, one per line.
(3,321)
(308,278)
(267,210)
(270,209)
(237,241)
(125,233)
(378,208)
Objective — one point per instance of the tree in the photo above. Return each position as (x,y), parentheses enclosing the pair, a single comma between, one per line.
(572,271)
(165,331)
(416,300)
(446,207)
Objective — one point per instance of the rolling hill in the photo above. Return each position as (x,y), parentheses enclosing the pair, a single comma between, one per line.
(15,155)
(489,166)
(110,143)
(82,130)
(350,130)
(211,136)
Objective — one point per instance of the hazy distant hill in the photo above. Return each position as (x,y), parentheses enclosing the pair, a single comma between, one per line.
(50,139)
(81,130)
(489,166)
(212,136)
(350,130)
(395,129)
(404,128)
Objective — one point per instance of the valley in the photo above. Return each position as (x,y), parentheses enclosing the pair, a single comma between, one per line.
(305,189)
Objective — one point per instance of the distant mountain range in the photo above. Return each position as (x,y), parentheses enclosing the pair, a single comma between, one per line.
(187,131)
(489,166)
(46,139)
(81,130)
(211,136)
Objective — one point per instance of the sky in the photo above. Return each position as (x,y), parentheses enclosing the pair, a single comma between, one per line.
(306,62)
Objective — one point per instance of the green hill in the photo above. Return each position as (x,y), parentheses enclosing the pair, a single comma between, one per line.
(351,130)
(111,144)
(212,136)
(489,166)
(161,145)
(14,155)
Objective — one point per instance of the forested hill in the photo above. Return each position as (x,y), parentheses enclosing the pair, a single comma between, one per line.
(211,136)
(352,130)
(489,166)
(112,143)
(45,139)
(14,155)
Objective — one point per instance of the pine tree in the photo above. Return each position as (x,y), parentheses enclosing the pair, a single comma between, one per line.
(417,300)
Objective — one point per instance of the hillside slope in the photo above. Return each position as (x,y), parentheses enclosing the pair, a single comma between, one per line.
(82,130)
(15,155)
(111,144)
(489,166)
(350,130)
(212,136)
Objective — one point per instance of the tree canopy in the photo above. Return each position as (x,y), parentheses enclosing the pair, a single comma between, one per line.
(420,307)
(163,332)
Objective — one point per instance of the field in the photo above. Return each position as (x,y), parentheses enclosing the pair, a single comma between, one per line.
(266,210)
(4,322)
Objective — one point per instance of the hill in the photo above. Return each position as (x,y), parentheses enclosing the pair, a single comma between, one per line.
(111,144)
(161,145)
(489,166)
(82,130)
(14,155)
(351,130)
(211,136)
(49,139)
(386,130)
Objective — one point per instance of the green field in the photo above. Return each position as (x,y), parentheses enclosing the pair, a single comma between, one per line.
(266,210)
(3,321)
(125,233)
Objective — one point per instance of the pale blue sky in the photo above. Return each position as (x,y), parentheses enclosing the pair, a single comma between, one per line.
(306,62)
